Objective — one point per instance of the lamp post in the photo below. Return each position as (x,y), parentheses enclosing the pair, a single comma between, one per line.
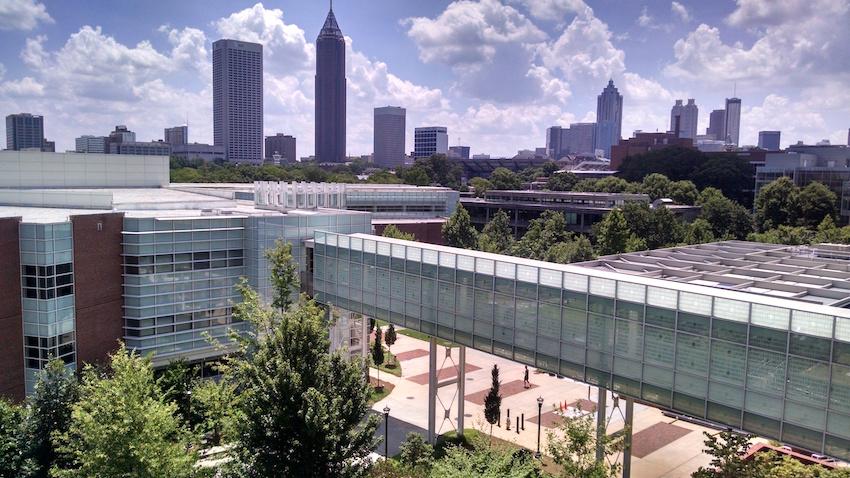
(386,432)
(539,413)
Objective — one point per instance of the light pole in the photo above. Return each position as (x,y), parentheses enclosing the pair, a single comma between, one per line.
(539,413)
(386,432)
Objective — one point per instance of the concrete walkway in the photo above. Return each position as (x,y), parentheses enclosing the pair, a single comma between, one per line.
(669,448)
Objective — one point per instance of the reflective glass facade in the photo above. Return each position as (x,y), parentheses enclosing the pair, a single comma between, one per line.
(47,296)
(777,368)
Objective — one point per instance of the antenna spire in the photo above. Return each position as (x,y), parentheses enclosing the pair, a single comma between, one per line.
(332,5)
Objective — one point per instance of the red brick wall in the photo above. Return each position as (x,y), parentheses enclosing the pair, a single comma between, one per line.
(11,323)
(97,285)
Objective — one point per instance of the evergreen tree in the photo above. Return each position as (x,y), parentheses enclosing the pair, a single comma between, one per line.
(458,230)
(284,274)
(122,426)
(612,233)
(390,337)
(371,325)
(303,410)
(497,236)
(493,400)
(378,354)
(392,231)
(49,413)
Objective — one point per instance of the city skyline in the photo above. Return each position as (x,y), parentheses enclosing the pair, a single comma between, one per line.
(554,61)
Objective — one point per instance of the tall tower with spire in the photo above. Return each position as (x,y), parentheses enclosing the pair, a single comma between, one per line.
(609,118)
(330,92)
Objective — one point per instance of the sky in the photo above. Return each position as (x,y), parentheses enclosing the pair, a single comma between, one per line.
(497,73)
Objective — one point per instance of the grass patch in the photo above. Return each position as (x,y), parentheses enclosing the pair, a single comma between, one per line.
(377,395)
(415,334)
(391,364)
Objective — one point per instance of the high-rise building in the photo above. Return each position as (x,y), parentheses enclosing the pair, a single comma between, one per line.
(430,140)
(459,152)
(732,131)
(282,145)
(717,125)
(24,131)
(238,100)
(683,119)
(553,142)
(48,146)
(330,93)
(177,135)
(609,118)
(389,136)
(769,140)
(90,144)
(579,139)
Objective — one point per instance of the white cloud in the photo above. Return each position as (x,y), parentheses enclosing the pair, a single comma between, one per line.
(22,14)
(645,20)
(796,119)
(553,9)
(469,33)
(584,50)
(189,48)
(25,87)
(773,12)
(680,11)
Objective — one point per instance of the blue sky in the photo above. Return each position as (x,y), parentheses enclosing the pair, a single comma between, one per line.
(496,72)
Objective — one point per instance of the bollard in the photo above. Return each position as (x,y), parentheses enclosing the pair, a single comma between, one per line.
(508,420)
(499,420)
(517,425)
(523,421)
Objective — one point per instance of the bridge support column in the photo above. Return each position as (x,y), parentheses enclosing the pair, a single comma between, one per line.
(364,338)
(461,388)
(627,428)
(432,390)
(601,403)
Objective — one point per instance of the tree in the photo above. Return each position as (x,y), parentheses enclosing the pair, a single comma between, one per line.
(658,226)
(303,409)
(394,232)
(828,232)
(378,354)
(371,325)
(574,448)
(497,236)
(493,400)
(657,186)
(486,462)
(816,202)
(284,274)
(504,178)
(699,232)
(458,230)
(728,449)
(383,177)
(390,338)
(480,186)
(416,453)
(13,462)
(776,204)
(577,249)
(48,414)
(683,192)
(612,233)
(728,219)
(563,181)
(788,235)
(548,229)
(122,425)
(175,382)
(216,403)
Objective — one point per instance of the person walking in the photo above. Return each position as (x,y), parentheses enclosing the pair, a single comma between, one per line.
(525,381)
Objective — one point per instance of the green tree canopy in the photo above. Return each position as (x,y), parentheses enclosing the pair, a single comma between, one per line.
(816,202)
(727,450)
(777,204)
(13,462)
(612,233)
(544,232)
(659,227)
(480,186)
(486,462)
(497,236)
(574,449)
(49,414)
(284,276)
(458,230)
(564,181)
(122,426)
(216,403)
(394,232)
(504,178)
(728,219)
(657,186)
(416,453)
(577,249)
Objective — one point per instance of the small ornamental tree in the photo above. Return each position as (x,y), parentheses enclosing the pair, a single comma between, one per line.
(371,324)
(378,354)
(728,450)
(56,391)
(493,401)
(390,337)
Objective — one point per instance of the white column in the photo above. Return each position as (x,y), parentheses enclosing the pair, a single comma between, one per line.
(600,423)
(461,388)
(432,390)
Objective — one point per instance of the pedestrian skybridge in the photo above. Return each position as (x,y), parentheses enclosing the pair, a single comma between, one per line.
(735,333)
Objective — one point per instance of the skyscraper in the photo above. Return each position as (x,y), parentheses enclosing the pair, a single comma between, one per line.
(769,140)
(683,119)
(282,144)
(717,125)
(388,146)
(330,92)
(732,131)
(430,140)
(553,142)
(24,131)
(238,100)
(609,118)
(177,135)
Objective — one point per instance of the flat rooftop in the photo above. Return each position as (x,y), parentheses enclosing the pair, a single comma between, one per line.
(818,274)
